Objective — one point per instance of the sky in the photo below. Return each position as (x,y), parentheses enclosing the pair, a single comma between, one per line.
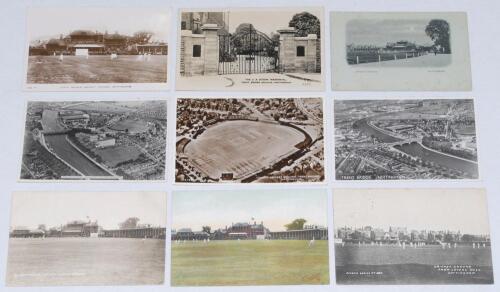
(275,208)
(463,210)
(266,20)
(109,208)
(380,32)
(122,20)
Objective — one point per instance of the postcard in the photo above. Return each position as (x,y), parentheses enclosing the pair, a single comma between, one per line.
(405,139)
(254,49)
(86,238)
(259,237)
(412,236)
(97,49)
(249,140)
(95,140)
(400,51)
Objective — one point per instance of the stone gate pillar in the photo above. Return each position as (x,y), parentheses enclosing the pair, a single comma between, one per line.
(185,53)
(211,49)
(287,49)
(312,42)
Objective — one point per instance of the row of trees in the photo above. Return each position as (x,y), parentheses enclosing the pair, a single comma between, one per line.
(447,147)
(297,224)
(411,237)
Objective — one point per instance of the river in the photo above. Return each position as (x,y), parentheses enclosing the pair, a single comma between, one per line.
(64,149)
(369,130)
(50,123)
(417,150)
(68,153)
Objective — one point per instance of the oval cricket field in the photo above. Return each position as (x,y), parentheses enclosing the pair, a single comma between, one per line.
(241,147)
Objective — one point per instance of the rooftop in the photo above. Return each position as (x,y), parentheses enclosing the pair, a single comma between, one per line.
(83,32)
(184,230)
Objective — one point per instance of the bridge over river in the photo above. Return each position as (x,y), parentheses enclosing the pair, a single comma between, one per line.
(57,142)
(415,148)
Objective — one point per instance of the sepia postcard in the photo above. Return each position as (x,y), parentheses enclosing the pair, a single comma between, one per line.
(412,236)
(249,140)
(253,49)
(86,238)
(97,49)
(236,238)
(95,140)
(400,51)
(405,139)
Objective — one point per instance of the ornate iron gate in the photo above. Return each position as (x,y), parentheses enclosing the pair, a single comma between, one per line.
(248,52)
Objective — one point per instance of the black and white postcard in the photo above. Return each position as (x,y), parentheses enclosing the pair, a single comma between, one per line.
(390,139)
(254,49)
(410,51)
(97,48)
(95,140)
(412,236)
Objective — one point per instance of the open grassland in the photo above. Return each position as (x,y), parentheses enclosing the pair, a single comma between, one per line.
(96,69)
(249,262)
(85,261)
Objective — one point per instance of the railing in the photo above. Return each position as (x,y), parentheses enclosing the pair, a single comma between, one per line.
(354,58)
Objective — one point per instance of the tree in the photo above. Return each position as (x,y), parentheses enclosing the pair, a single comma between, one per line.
(439,31)
(42,227)
(206,229)
(448,237)
(305,23)
(297,224)
(246,39)
(244,28)
(131,222)
(468,238)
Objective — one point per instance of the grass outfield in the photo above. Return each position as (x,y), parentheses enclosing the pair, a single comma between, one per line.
(249,262)
(391,264)
(412,274)
(114,155)
(85,261)
(133,126)
(96,69)
(427,255)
